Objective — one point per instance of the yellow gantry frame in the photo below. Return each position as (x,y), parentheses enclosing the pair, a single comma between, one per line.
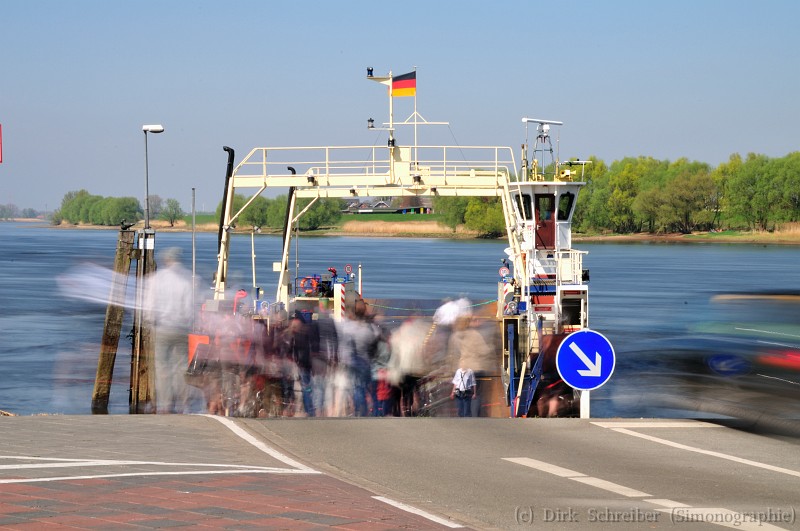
(369,171)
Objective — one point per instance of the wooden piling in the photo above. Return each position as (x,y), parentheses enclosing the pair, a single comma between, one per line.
(142,392)
(113,323)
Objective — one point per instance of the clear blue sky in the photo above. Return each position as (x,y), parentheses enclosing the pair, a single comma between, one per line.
(700,79)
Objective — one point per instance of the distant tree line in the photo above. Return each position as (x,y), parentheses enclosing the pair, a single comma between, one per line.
(657,196)
(82,207)
(640,194)
(11,211)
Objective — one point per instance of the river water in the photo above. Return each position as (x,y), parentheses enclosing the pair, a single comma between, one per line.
(49,341)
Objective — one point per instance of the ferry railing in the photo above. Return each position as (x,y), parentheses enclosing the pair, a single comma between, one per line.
(369,171)
(373,165)
(570,267)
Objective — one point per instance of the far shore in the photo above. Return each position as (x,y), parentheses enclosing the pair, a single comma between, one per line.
(432,229)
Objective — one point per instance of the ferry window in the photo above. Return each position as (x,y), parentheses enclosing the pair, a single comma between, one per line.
(544,206)
(565,205)
(524,205)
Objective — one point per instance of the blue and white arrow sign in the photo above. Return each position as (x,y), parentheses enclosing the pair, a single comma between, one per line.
(585,360)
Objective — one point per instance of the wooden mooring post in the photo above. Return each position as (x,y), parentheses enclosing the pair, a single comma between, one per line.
(142,392)
(113,322)
(137,246)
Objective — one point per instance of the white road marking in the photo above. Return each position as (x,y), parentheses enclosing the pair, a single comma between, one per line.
(545,467)
(613,487)
(261,446)
(60,463)
(709,452)
(576,476)
(177,473)
(678,512)
(418,512)
(42,463)
(656,424)
(669,504)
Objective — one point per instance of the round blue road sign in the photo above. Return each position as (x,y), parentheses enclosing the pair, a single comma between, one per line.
(585,360)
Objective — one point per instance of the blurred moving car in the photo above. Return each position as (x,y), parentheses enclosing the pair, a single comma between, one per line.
(741,363)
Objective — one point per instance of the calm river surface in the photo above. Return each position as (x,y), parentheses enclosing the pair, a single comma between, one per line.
(49,342)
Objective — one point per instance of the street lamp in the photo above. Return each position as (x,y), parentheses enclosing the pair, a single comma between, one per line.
(154,128)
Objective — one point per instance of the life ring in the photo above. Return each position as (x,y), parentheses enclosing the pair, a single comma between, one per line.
(309,285)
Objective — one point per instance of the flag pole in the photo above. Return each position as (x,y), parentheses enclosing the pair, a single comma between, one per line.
(416,162)
(391,109)
(391,125)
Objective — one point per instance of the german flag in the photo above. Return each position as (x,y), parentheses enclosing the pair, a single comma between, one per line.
(405,85)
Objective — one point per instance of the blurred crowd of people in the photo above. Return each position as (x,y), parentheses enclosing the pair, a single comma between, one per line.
(308,364)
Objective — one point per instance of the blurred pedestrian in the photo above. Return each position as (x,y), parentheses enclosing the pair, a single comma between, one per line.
(464,390)
(469,347)
(408,364)
(168,309)
(358,348)
(297,344)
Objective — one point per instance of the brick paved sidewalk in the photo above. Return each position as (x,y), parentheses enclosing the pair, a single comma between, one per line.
(246,501)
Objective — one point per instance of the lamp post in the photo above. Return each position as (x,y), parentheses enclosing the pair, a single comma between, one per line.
(154,128)
(142,397)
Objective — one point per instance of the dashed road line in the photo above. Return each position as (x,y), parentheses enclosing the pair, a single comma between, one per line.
(678,512)
(545,467)
(577,476)
(612,487)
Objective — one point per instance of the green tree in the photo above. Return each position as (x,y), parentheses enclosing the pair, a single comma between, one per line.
(751,194)
(722,175)
(648,206)
(113,210)
(686,202)
(485,215)
(75,206)
(323,213)
(451,210)
(591,174)
(787,179)
(256,213)
(276,212)
(623,183)
(172,212)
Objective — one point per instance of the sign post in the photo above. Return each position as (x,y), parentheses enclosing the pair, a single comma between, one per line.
(585,361)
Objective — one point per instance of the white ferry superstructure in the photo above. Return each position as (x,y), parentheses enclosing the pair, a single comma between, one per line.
(542,295)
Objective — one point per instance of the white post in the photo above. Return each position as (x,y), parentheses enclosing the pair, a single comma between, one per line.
(585,414)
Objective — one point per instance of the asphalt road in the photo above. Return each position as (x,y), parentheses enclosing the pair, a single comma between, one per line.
(153,471)
(565,473)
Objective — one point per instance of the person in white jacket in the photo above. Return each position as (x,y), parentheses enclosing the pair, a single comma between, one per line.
(168,309)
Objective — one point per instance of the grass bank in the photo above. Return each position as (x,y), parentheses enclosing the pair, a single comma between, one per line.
(427,226)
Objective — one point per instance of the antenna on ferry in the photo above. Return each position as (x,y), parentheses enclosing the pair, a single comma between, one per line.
(543,135)
(543,128)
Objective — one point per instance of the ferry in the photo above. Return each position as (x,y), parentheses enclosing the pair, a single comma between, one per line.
(542,288)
